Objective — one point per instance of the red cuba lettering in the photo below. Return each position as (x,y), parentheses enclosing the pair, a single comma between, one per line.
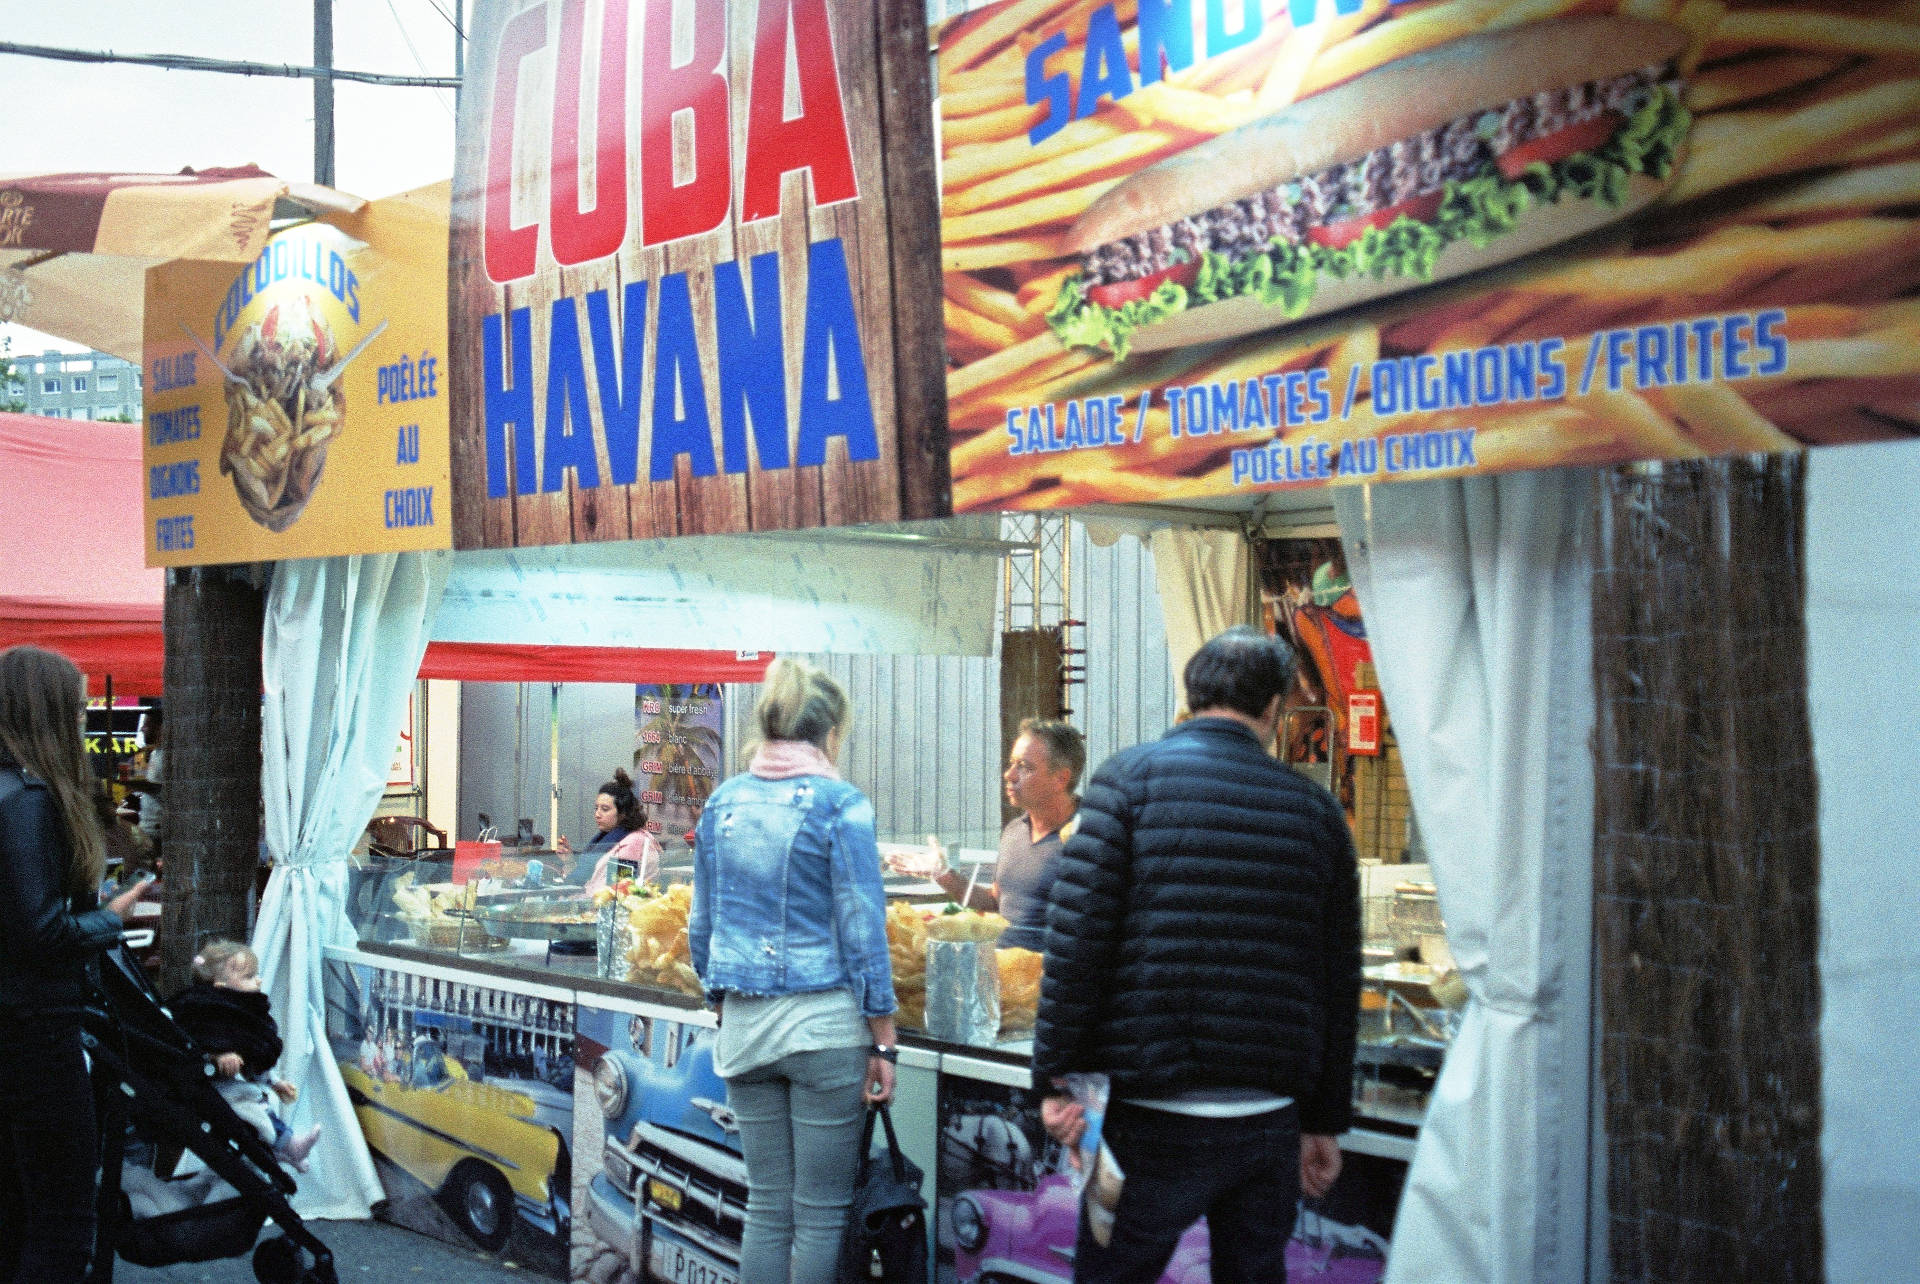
(814,140)
(670,210)
(580,236)
(509,251)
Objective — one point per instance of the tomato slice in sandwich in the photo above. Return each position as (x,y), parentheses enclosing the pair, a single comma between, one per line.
(1558,145)
(1115,293)
(1338,236)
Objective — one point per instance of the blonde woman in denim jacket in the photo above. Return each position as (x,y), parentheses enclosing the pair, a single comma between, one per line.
(788,933)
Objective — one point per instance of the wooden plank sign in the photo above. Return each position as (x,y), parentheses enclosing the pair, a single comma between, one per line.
(694,273)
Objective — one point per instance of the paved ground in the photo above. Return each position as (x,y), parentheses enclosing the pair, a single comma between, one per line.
(363,1253)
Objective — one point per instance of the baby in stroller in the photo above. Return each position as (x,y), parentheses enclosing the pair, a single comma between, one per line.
(227,1015)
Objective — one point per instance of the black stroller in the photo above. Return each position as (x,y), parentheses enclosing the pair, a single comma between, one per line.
(157,1101)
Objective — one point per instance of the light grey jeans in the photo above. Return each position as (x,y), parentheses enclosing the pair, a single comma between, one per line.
(800,1122)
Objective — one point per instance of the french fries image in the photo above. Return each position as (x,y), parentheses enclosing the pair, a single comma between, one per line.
(285,402)
(1800,190)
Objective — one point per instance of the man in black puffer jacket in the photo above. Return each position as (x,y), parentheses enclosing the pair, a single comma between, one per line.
(1203,951)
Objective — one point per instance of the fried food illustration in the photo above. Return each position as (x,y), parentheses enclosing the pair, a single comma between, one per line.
(285,402)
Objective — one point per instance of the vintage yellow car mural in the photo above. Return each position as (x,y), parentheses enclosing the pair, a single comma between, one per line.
(476,1145)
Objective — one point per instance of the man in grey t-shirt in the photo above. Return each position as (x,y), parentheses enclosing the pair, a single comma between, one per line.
(1043,769)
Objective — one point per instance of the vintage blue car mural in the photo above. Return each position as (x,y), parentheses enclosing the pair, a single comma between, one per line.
(672,1189)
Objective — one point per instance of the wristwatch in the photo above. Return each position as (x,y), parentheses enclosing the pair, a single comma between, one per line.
(885,1051)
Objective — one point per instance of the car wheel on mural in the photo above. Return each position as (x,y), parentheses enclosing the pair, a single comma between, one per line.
(479,1198)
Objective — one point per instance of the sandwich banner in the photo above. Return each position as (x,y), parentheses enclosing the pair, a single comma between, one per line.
(1197,248)
(296,406)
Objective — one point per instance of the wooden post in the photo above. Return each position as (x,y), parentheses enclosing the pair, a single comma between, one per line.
(212,787)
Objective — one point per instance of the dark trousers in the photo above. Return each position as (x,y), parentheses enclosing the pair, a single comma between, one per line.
(1242,1175)
(48,1153)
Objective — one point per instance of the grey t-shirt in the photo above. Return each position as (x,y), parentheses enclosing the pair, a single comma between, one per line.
(757,1030)
(1025,876)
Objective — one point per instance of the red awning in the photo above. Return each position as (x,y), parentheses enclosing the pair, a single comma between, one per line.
(73,575)
(496,662)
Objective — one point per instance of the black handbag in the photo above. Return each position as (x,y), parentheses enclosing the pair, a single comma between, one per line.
(886,1236)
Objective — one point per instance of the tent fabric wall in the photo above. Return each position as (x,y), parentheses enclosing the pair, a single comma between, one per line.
(1863,681)
(343,641)
(1476,598)
(1207,585)
(70,518)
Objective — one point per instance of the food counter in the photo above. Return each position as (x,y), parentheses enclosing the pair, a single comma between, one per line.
(549,1058)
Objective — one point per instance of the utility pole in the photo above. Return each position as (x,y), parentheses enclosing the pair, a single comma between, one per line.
(323,92)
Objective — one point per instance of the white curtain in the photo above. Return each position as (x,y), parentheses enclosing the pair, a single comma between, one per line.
(343,642)
(1475,595)
(1207,585)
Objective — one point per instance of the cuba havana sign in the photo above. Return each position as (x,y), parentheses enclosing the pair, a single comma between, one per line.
(694,271)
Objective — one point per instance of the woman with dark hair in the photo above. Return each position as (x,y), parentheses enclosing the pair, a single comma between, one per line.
(52,857)
(623,838)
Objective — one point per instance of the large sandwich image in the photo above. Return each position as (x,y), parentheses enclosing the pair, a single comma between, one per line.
(1437,165)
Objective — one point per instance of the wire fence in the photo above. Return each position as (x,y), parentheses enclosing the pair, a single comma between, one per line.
(1707,873)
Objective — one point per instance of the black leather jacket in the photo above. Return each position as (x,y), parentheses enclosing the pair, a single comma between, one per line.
(47,939)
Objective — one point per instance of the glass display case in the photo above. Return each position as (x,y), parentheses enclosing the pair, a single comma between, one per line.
(1410,997)
(489,909)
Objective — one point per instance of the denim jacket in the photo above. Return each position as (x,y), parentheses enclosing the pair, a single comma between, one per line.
(786,892)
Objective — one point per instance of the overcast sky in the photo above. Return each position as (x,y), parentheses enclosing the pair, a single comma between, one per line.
(69,116)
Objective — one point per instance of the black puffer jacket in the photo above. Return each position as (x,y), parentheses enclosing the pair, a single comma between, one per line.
(47,939)
(1204,929)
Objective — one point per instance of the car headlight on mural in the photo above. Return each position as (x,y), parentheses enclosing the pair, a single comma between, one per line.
(969,1224)
(610,1087)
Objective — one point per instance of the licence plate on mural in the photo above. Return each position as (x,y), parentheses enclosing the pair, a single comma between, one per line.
(678,1264)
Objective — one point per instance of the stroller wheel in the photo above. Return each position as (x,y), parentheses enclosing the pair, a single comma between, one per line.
(482,1202)
(278,1261)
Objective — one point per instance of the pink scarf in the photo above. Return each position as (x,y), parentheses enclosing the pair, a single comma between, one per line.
(785,759)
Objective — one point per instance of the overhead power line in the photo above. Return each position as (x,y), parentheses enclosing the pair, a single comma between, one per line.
(189,62)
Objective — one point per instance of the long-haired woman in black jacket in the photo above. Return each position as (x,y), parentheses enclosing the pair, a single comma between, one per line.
(51,857)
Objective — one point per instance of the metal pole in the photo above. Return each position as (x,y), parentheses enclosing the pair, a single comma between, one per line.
(553,766)
(323,93)
(459,42)
(519,750)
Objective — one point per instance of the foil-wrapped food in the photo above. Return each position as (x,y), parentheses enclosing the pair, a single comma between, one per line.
(963,992)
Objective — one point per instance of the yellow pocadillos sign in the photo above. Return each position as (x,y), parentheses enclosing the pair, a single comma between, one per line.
(298,408)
